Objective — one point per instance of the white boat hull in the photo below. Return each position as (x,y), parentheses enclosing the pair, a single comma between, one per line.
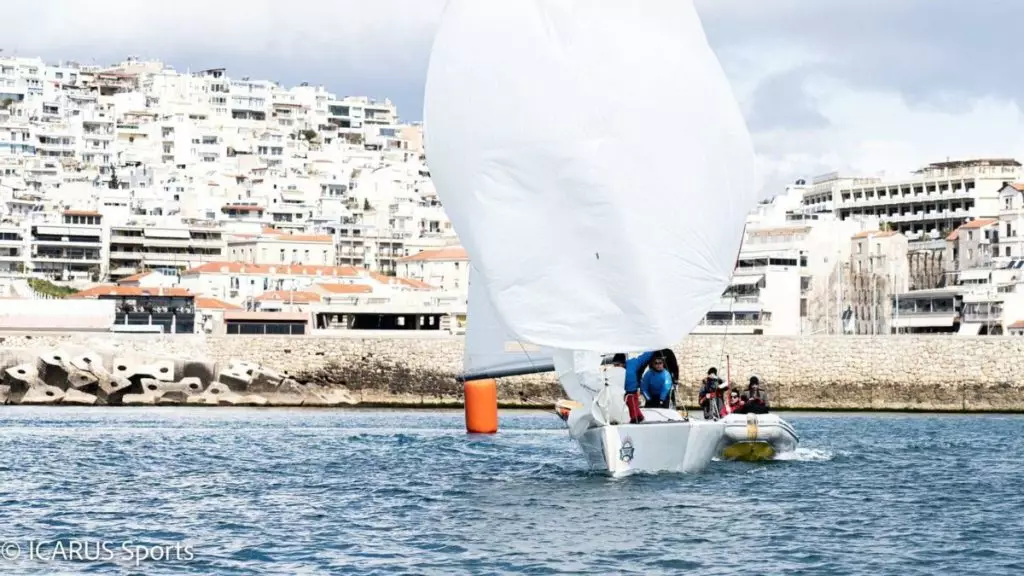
(755,437)
(663,443)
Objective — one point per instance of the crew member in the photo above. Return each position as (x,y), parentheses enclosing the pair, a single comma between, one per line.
(709,394)
(757,399)
(634,367)
(735,405)
(656,384)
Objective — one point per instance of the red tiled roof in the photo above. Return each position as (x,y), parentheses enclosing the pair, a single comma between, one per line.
(266,316)
(297,297)
(972,225)
(979,223)
(875,234)
(112,290)
(205,303)
(81,213)
(438,255)
(416,284)
(346,288)
(276,269)
(399,281)
(274,234)
(134,278)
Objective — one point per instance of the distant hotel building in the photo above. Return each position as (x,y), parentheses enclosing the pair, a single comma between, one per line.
(929,205)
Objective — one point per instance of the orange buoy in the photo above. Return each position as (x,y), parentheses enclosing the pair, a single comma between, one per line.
(481,406)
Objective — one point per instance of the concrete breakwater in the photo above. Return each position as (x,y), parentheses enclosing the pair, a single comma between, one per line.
(945,373)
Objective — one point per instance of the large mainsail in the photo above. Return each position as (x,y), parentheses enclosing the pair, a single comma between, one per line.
(595,164)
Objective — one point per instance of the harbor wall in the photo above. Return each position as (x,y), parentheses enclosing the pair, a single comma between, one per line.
(826,372)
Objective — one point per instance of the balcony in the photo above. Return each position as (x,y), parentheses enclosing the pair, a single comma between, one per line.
(994,315)
(90,259)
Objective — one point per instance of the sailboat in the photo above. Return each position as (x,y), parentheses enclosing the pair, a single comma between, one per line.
(597,168)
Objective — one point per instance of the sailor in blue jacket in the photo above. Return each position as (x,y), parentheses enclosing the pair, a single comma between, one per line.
(634,367)
(656,385)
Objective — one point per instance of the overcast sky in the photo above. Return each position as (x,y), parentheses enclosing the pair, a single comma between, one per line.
(860,86)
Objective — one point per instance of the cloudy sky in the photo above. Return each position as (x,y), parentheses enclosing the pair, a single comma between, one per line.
(860,86)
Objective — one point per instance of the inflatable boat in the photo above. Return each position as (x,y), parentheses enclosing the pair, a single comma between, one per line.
(756,437)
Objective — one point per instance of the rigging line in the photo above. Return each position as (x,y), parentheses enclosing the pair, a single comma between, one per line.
(735,266)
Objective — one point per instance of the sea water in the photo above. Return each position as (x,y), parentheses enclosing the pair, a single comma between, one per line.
(244,491)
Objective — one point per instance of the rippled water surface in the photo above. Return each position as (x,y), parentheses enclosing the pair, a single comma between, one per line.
(339,492)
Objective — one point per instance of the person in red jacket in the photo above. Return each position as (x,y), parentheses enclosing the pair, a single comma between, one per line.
(735,405)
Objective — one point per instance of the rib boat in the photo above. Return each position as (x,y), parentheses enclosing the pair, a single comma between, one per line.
(756,437)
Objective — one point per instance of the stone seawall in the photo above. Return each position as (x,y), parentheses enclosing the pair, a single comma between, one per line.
(859,373)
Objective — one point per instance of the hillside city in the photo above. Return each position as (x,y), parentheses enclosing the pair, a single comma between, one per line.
(137,198)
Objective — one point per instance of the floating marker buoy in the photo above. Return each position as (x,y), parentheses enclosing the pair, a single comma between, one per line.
(481,406)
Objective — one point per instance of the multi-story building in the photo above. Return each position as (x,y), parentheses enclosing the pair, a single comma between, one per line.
(789,275)
(878,270)
(142,244)
(445,268)
(1011,221)
(929,204)
(75,249)
(116,172)
(272,247)
(970,246)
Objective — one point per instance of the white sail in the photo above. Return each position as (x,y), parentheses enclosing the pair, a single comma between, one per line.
(594,162)
(490,346)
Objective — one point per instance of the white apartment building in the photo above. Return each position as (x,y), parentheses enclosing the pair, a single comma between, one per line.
(13,248)
(172,165)
(445,268)
(789,273)
(927,205)
(1011,221)
(878,270)
(273,247)
(150,244)
(73,249)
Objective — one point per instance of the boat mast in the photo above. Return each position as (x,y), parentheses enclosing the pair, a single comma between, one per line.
(510,372)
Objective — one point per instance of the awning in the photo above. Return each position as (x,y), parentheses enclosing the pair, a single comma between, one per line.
(727,305)
(747,280)
(969,329)
(924,321)
(974,275)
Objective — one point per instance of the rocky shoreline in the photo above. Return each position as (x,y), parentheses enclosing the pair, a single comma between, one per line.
(883,374)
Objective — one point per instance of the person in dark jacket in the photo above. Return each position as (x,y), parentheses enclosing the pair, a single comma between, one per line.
(710,394)
(756,397)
